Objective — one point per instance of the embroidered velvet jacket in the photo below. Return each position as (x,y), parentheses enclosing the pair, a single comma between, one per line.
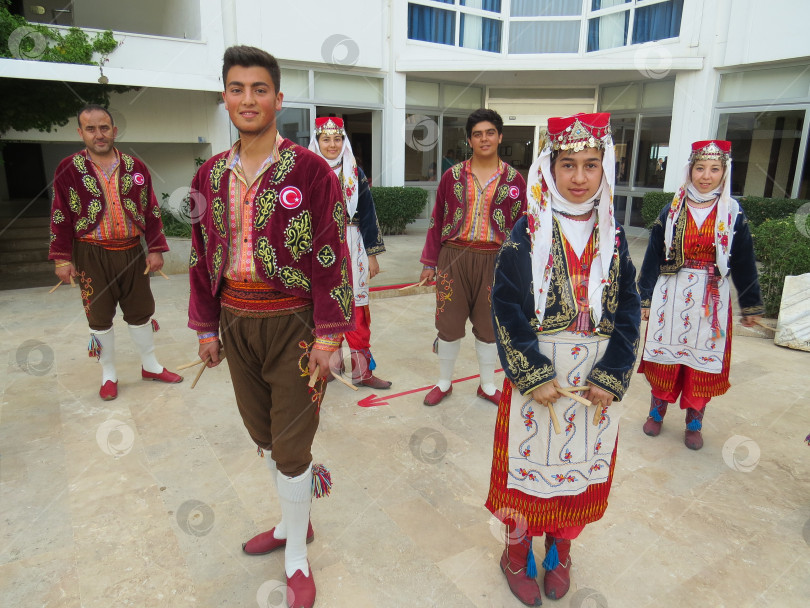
(79,203)
(365,217)
(508,204)
(299,236)
(742,263)
(516,325)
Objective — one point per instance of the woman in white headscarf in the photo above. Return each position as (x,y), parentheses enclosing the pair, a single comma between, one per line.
(698,240)
(567,315)
(364,239)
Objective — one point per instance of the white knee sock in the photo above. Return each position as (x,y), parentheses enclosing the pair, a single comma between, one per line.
(448,353)
(107,358)
(295,495)
(142,336)
(487,360)
(280,529)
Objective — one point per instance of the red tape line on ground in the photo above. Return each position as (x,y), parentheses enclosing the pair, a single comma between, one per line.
(373,400)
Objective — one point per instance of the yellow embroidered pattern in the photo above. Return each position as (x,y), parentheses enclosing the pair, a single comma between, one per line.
(326,256)
(339,215)
(293,277)
(129,164)
(78,162)
(90,183)
(217,171)
(218,215)
(286,161)
(343,294)
(74,201)
(126,184)
(267,255)
(265,204)
(298,235)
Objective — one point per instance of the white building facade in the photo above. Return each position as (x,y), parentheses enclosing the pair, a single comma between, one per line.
(404,74)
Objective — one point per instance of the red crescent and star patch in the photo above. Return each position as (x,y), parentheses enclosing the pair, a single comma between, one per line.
(514,191)
(290,197)
(138,178)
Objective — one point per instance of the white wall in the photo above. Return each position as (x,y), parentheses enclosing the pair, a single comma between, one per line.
(302,30)
(772,30)
(176,18)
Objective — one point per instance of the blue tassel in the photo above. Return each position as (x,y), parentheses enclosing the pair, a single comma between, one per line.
(655,414)
(531,565)
(694,425)
(372,364)
(552,558)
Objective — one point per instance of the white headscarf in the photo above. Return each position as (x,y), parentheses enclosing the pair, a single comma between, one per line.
(345,167)
(727,211)
(542,200)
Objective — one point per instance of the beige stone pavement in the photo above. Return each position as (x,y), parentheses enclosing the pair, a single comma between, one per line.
(144,501)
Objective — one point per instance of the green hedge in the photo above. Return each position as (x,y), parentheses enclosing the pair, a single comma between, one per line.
(397,206)
(757,208)
(783,248)
(652,205)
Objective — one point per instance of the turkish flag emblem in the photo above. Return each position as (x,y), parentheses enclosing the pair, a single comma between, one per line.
(514,191)
(138,179)
(290,197)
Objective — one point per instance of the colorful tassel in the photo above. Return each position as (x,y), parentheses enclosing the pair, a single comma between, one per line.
(531,564)
(552,559)
(94,347)
(372,364)
(694,425)
(807,440)
(260,452)
(658,409)
(155,326)
(321,481)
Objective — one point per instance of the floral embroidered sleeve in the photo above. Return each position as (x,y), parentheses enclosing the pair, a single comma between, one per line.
(613,371)
(203,307)
(512,306)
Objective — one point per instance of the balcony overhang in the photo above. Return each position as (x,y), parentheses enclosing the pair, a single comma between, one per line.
(69,72)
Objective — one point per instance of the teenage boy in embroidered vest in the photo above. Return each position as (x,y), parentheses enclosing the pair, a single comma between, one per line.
(269,268)
(477,203)
(103,203)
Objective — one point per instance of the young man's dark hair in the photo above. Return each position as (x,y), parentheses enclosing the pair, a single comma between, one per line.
(93,107)
(248,57)
(481,115)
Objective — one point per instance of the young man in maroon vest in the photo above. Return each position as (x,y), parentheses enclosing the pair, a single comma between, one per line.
(103,203)
(477,203)
(270,270)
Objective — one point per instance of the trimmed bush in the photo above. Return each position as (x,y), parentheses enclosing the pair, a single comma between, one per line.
(783,248)
(759,209)
(652,205)
(174,226)
(397,206)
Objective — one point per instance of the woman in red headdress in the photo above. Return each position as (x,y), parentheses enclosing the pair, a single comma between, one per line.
(697,241)
(364,239)
(567,315)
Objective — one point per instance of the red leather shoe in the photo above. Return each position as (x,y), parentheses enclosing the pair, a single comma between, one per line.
(435,396)
(652,427)
(496,398)
(264,543)
(164,376)
(557,581)
(301,590)
(109,390)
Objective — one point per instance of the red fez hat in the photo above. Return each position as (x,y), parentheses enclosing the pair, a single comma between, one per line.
(710,149)
(579,131)
(329,124)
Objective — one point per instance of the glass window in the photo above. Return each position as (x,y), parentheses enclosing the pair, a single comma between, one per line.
(600,4)
(468,98)
(544,37)
(431,24)
(479,33)
(350,89)
(293,123)
(752,85)
(636,219)
(546,8)
(608,32)
(421,153)
(624,133)
(295,84)
(764,146)
(658,94)
(487,5)
(657,21)
(454,142)
(653,151)
(622,97)
(422,93)
(620,209)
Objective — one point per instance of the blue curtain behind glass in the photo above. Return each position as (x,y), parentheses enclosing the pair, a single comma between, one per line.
(658,21)
(431,25)
(491,35)
(487,5)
